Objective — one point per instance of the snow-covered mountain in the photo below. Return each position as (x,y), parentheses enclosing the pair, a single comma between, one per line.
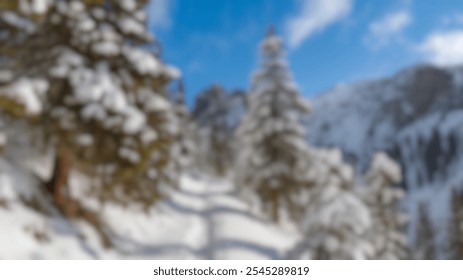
(415,115)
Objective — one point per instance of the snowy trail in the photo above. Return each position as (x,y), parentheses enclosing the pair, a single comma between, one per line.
(229,228)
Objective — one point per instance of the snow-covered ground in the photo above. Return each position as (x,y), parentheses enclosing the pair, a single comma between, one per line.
(202,219)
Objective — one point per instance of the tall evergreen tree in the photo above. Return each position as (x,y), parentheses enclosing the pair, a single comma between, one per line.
(273,155)
(82,71)
(455,231)
(425,247)
(387,233)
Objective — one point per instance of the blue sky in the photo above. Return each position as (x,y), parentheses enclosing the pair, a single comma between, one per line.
(328,41)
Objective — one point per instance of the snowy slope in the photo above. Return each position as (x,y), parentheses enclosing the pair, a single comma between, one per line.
(202,219)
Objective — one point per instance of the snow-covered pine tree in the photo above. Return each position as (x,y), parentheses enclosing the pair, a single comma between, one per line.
(424,247)
(211,112)
(81,68)
(273,154)
(387,232)
(455,231)
(337,221)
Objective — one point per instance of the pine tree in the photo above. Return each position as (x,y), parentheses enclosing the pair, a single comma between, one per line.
(273,155)
(425,248)
(387,233)
(337,221)
(81,72)
(455,231)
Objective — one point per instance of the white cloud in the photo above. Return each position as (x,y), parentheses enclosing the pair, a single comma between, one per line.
(315,16)
(388,28)
(159,13)
(444,48)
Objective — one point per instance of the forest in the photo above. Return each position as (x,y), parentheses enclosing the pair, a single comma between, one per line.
(102,157)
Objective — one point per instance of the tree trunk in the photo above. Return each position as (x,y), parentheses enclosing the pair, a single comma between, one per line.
(58,182)
(275,206)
